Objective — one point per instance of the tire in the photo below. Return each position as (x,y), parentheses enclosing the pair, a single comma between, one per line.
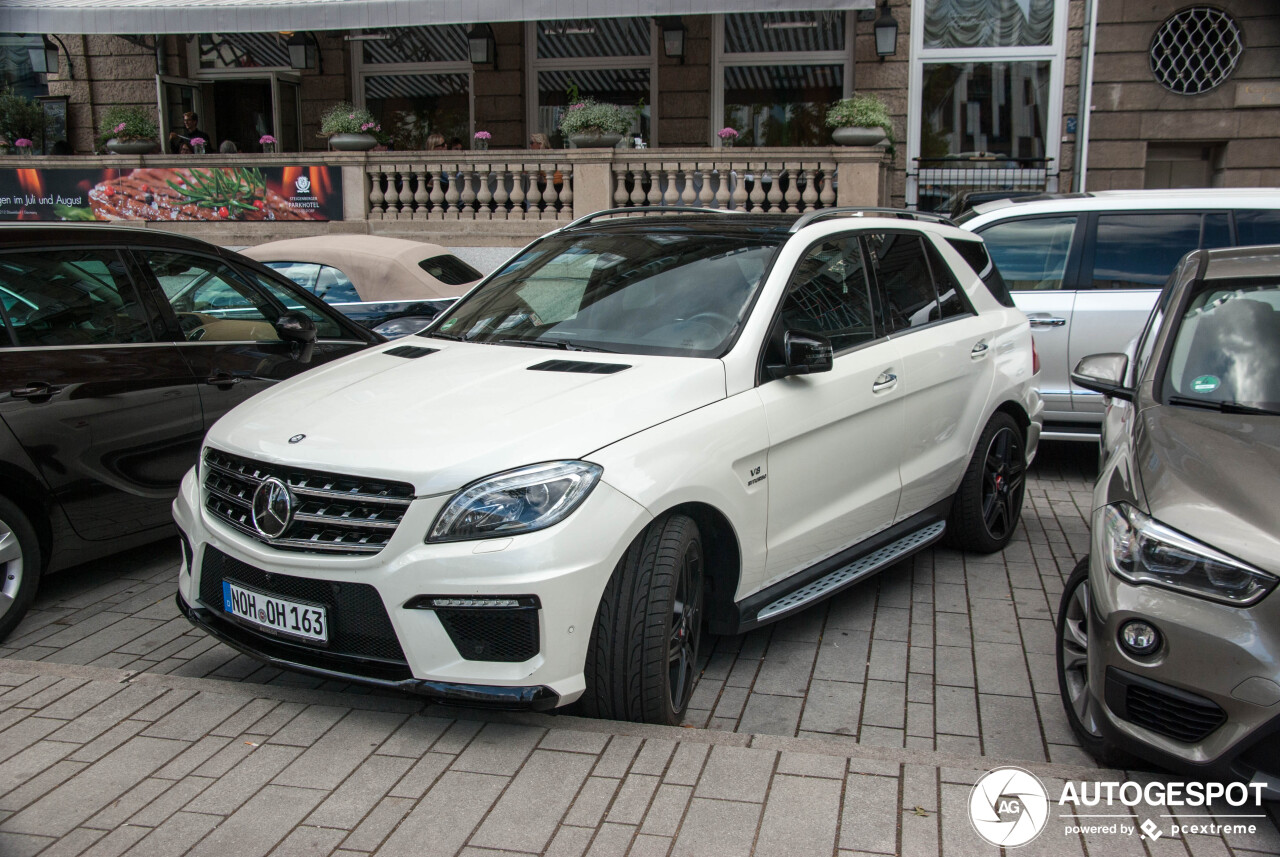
(988,505)
(19,566)
(1072,648)
(643,658)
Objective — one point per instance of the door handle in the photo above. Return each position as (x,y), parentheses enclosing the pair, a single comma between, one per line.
(222,380)
(980,350)
(36,391)
(886,381)
(1047,321)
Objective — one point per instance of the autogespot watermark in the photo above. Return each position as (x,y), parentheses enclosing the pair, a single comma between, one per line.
(1010,807)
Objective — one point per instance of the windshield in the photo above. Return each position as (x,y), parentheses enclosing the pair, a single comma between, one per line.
(652,292)
(1226,351)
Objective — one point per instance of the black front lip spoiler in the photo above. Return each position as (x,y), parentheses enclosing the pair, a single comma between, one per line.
(534,697)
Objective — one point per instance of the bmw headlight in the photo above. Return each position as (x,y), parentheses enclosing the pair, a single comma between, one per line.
(518,501)
(1140,549)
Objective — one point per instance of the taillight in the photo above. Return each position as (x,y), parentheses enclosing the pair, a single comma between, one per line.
(1035,358)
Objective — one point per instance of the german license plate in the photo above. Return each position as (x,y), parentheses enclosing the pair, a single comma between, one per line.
(276,614)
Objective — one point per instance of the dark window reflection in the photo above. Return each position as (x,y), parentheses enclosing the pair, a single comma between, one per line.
(1258,227)
(782,105)
(1138,251)
(413,107)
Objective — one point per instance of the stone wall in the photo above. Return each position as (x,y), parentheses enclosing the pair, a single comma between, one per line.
(1130,109)
(889,80)
(684,89)
(105,71)
(499,90)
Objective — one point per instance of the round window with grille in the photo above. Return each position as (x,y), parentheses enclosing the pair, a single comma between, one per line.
(1195,50)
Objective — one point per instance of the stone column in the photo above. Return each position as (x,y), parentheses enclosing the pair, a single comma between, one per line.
(863,176)
(592,180)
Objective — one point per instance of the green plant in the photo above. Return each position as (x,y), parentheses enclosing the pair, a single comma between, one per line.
(127,122)
(593,117)
(342,118)
(20,117)
(861,111)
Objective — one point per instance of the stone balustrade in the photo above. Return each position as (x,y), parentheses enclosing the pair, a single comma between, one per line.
(518,194)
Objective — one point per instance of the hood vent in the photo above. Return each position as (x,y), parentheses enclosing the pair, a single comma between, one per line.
(409,352)
(579,367)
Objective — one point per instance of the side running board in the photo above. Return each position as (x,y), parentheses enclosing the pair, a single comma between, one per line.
(859,568)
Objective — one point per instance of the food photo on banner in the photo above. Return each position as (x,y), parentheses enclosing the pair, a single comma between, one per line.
(161,193)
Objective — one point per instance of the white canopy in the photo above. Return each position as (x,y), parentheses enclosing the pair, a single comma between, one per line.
(248,16)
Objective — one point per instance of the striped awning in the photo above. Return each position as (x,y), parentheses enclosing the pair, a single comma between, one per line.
(801,32)
(414,85)
(447,43)
(600,85)
(249,16)
(783,77)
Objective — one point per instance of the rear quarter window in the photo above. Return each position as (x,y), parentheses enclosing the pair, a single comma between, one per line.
(450,270)
(976,256)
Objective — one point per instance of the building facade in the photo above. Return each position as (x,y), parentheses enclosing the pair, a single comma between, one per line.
(1005,94)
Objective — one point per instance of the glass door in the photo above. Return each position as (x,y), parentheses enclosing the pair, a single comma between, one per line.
(176,96)
(288,110)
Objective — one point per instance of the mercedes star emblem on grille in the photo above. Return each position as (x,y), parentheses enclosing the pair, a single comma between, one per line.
(272,507)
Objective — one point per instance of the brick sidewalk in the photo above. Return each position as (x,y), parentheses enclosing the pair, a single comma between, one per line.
(857,727)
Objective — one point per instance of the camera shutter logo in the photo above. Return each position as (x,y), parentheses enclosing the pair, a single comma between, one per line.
(272,508)
(303,185)
(1008,807)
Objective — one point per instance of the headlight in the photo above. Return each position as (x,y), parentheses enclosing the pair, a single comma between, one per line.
(1140,549)
(403,326)
(518,501)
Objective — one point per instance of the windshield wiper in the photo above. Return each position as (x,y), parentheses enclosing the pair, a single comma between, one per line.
(558,344)
(1221,407)
(438,335)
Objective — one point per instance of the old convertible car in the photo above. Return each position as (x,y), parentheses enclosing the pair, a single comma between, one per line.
(636,424)
(118,349)
(1168,646)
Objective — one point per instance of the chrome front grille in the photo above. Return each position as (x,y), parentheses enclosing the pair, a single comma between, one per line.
(333,514)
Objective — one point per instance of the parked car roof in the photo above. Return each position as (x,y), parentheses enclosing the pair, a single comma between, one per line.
(381,269)
(1119,199)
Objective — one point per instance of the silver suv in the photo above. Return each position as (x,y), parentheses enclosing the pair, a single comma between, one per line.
(1169,633)
(1086,269)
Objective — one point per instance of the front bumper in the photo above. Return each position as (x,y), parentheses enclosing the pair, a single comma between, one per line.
(1208,702)
(563,570)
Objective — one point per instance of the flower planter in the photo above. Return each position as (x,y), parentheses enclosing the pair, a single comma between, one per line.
(268,148)
(594,141)
(352,142)
(131,147)
(480,145)
(855,136)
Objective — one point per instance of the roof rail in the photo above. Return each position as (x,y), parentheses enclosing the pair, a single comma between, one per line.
(901,213)
(668,209)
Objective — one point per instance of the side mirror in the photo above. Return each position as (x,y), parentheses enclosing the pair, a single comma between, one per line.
(1104,373)
(300,331)
(805,354)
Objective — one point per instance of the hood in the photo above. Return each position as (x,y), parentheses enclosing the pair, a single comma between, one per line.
(1213,476)
(445,419)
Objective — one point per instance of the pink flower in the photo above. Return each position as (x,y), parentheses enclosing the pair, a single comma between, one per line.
(266,138)
(119,127)
(23,143)
(198,141)
(726,133)
(577,106)
(483,135)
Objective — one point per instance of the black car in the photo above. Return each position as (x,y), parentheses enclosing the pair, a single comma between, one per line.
(118,349)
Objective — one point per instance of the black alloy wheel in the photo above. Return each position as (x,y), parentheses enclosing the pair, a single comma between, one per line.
(988,504)
(686,629)
(1004,478)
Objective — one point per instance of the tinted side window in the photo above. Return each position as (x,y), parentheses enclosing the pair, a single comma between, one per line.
(70,297)
(905,278)
(450,270)
(1258,227)
(1031,253)
(326,328)
(333,287)
(829,295)
(1139,251)
(951,298)
(211,302)
(302,273)
(975,254)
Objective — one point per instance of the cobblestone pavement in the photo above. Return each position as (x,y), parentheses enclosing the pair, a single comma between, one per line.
(857,727)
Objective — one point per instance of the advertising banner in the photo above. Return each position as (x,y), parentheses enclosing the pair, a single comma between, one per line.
(163,193)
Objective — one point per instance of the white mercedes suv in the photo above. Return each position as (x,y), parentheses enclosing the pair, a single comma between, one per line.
(636,427)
